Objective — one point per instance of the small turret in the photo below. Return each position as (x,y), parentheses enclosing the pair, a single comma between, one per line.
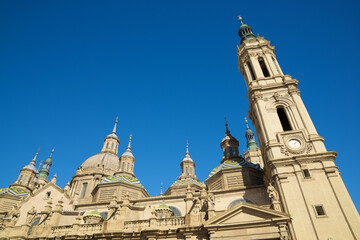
(111,142)
(229,145)
(127,160)
(251,143)
(253,153)
(245,31)
(187,166)
(44,173)
(27,175)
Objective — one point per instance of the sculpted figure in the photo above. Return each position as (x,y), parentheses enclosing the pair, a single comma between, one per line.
(14,214)
(211,200)
(273,194)
(30,215)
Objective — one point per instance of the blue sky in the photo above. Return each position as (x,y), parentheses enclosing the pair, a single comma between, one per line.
(168,70)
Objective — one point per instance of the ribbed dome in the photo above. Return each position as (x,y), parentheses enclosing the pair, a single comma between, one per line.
(30,167)
(112,135)
(164,207)
(109,160)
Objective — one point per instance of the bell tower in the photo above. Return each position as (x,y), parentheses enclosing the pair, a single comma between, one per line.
(296,161)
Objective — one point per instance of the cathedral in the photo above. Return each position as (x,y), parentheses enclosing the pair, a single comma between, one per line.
(286,186)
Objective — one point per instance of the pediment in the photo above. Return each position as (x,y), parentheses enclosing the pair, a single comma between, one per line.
(245,213)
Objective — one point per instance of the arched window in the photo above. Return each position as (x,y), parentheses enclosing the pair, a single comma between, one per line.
(123,166)
(83,190)
(186,171)
(128,167)
(20,178)
(263,67)
(233,203)
(191,171)
(176,211)
(107,145)
(251,70)
(34,223)
(112,146)
(104,215)
(231,151)
(283,119)
(24,181)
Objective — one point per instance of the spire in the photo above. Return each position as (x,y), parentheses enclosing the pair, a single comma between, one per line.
(251,143)
(44,173)
(33,162)
(227,132)
(31,165)
(114,130)
(161,189)
(245,31)
(187,155)
(52,151)
(39,166)
(128,149)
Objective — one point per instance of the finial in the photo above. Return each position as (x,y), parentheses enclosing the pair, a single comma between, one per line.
(114,130)
(227,132)
(129,145)
(187,147)
(246,121)
(39,166)
(34,159)
(161,189)
(52,151)
(240,20)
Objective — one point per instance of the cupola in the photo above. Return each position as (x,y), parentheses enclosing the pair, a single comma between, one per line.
(111,142)
(251,143)
(245,31)
(44,173)
(229,145)
(127,161)
(187,166)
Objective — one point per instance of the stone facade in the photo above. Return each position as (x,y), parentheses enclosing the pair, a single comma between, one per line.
(287,188)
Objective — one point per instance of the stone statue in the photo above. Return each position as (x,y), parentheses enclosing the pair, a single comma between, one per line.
(273,194)
(14,214)
(274,197)
(30,215)
(211,200)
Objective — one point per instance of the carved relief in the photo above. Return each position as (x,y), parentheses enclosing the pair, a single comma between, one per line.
(256,96)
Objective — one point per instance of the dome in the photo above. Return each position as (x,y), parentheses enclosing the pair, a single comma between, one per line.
(30,167)
(108,160)
(122,178)
(234,164)
(112,135)
(228,138)
(164,207)
(94,214)
(127,154)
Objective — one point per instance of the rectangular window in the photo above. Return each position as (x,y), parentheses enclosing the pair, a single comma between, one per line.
(186,171)
(128,167)
(83,190)
(306,173)
(319,209)
(123,166)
